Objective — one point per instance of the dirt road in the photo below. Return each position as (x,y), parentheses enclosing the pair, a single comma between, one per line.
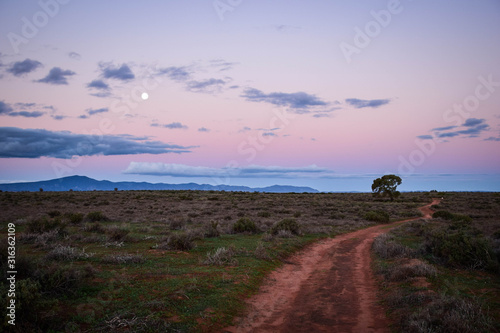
(328,287)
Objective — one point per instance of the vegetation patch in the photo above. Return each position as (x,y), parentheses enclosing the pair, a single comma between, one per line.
(244,224)
(286,226)
(378,216)
(429,276)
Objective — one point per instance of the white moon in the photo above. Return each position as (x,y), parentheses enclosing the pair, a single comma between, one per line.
(144,96)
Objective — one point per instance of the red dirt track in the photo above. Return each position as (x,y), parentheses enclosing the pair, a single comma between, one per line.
(327,287)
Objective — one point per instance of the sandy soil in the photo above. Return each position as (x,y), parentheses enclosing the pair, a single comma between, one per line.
(327,287)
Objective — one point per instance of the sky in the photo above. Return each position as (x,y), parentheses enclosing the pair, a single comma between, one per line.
(329,94)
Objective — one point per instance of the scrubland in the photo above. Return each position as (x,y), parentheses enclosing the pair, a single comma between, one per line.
(184,261)
(442,275)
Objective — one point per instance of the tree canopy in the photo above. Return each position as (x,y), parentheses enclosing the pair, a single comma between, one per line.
(386,185)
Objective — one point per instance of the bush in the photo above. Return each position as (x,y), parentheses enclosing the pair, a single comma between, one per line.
(40,240)
(74,218)
(56,279)
(244,224)
(386,248)
(212,230)
(404,272)
(449,314)
(288,224)
(221,257)
(97,217)
(179,241)
(43,224)
(461,246)
(176,224)
(116,233)
(378,216)
(67,253)
(443,214)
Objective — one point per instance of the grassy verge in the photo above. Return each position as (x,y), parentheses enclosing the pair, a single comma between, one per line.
(134,285)
(439,276)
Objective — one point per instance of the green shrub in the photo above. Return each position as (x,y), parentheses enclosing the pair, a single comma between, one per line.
(179,241)
(97,217)
(444,214)
(44,224)
(466,219)
(378,216)
(288,224)
(244,224)
(74,218)
(461,246)
(58,280)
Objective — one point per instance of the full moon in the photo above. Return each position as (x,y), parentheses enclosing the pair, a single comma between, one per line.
(144,96)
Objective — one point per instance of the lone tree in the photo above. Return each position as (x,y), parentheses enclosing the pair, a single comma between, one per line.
(386,185)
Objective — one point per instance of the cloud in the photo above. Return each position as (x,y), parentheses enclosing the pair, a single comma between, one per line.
(175,73)
(203,129)
(27,114)
(425,137)
(27,110)
(5,108)
(366,103)
(222,65)
(298,100)
(96,111)
(269,134)
(74,55)
(98,84)
(446,128)
(175,125)
(91,112)
(447,135)
(244,129)
(491,138)
(473,122)
(251,171)
(34,143)
(57,76)
(109,71)
(26,66)
(471,128)
(209,85)
(58,117)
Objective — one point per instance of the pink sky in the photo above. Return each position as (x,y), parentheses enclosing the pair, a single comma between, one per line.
(231,73)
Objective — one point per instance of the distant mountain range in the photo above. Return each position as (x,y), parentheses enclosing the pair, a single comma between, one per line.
(82,183)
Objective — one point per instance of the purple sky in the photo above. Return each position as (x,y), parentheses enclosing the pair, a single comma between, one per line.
(329,94)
